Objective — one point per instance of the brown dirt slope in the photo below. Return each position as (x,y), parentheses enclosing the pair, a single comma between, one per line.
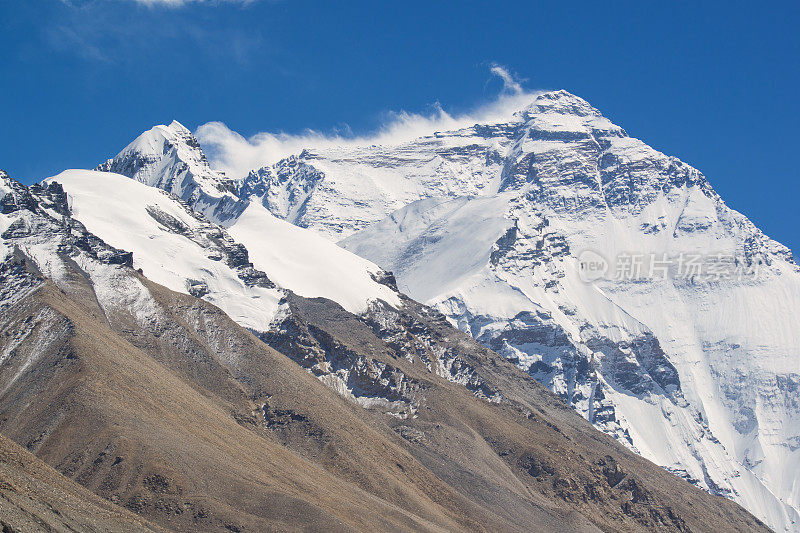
(34,497)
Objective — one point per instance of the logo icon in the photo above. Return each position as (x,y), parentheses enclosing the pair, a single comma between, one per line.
(591,265)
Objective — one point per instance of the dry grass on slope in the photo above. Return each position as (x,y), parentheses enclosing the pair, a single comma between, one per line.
(34,497)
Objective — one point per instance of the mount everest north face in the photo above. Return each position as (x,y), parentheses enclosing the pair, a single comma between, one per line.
(699,373)
(612,274)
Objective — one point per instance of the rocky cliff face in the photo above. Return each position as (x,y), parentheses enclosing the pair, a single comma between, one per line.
(669,344)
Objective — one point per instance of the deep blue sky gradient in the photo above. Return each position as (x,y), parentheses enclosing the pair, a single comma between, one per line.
(715,84)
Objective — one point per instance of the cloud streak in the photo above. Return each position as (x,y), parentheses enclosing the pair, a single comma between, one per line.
(164,3)
(510,82)
(236,155)
(99,32)
(179,3)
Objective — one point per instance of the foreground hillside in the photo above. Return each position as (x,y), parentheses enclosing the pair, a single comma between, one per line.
(35,497)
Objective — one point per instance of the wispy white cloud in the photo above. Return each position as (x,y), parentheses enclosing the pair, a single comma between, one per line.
(236,155)
(178,3)
(510,82)
(78,40)
(98,31)
(164,3)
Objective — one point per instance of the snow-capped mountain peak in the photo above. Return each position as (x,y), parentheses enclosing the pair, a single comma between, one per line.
(170,158)
(559,101)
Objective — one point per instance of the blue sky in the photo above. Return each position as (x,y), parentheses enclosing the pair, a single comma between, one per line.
(715,84)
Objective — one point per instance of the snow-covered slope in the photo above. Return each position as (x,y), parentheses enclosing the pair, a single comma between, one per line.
(308,264)
(171,244)
(337,192)
(697,370)
(235,268)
